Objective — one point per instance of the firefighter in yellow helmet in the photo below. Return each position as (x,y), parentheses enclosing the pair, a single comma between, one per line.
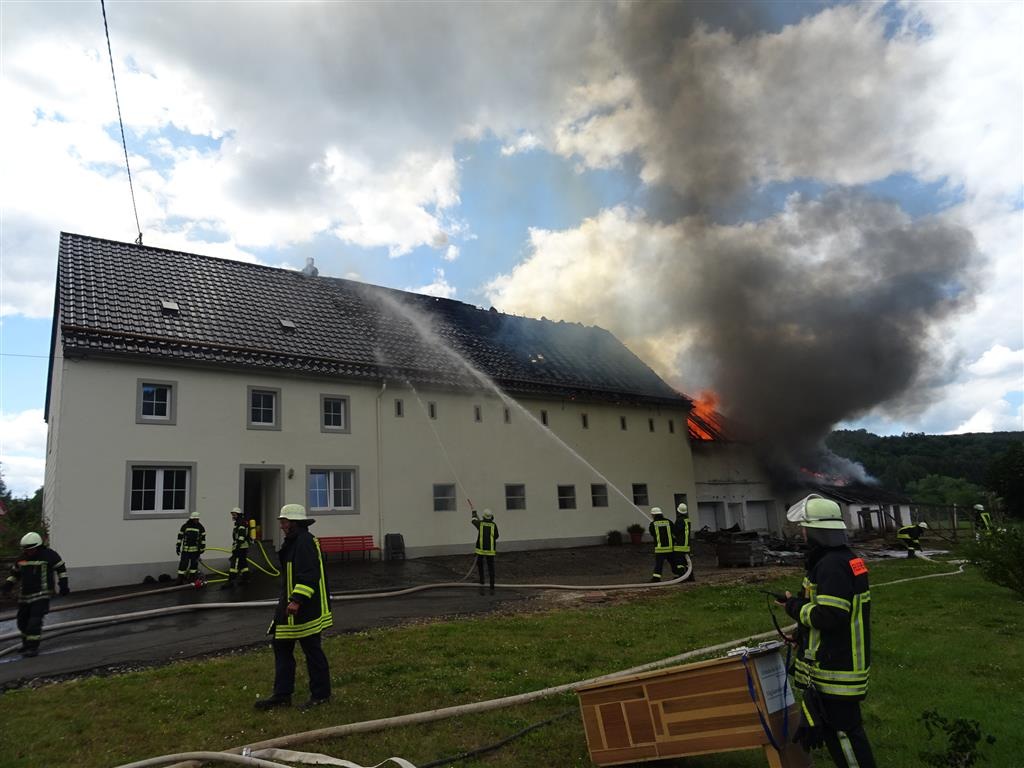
(239,563)
(661,531)
(35,571)
(833,636)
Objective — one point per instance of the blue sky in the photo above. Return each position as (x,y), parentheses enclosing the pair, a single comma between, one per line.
(535,159)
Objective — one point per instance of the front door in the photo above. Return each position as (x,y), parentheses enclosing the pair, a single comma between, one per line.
(261,501)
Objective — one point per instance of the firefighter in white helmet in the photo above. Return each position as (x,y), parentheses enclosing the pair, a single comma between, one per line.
(238,567)
(681,543)
(191,545)
(982,522)
(833,655)
(664,542)
(486,548)
(35,571)
(909,537)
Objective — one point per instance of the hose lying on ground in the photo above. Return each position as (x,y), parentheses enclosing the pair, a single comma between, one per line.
(368,726)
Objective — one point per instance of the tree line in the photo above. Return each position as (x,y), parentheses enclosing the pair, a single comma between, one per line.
(942,469)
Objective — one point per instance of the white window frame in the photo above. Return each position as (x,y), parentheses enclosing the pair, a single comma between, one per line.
(566,496)
(597,495)
(275,393)
(171,417)
(444,501)
(160,468)
(519,499)
(346,415)
(352,508)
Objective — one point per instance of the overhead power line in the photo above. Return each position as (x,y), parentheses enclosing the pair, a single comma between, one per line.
(106,29)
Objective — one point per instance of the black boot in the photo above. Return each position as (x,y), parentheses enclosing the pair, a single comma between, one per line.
(277,700)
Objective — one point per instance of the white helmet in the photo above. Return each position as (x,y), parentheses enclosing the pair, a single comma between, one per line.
(923,525)
(194,515)
(656,510)
(978,508)
(295,512)
(681,509)
(236,511)
(31,539)
(488,515)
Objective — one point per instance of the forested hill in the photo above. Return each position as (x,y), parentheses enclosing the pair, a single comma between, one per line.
(900,460)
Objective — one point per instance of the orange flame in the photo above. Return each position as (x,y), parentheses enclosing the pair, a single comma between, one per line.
(705,423)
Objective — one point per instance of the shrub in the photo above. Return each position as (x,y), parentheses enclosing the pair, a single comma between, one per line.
(615,538)
(963,736)
(635,528)
(1000,557)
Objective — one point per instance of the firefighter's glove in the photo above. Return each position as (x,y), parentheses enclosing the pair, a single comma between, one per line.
(810,734)
(64,590)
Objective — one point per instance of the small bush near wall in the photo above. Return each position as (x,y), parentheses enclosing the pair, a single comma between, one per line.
(615,538)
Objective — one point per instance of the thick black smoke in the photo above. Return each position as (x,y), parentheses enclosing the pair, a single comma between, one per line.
(816,317)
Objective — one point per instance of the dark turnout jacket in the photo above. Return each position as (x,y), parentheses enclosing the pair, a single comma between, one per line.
(834,615)
(304,581)
(36,571)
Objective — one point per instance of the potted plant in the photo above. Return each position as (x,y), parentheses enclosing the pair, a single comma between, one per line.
(614,538)
(636,533)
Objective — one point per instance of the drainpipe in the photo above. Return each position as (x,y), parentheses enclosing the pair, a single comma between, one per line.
(380,467)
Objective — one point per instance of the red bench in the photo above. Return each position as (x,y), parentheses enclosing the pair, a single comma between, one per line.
(343,545)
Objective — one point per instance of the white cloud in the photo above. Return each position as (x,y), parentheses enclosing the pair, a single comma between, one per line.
(22,448)
(440,287)
(1000,360)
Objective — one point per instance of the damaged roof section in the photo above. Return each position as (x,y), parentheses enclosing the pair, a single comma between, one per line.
(232,314)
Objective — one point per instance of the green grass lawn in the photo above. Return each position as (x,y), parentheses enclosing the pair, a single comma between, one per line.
(951,644)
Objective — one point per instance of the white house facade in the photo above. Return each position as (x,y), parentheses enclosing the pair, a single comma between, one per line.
(183,383)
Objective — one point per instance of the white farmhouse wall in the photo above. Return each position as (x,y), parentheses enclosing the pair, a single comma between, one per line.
(733,488)
(94,437)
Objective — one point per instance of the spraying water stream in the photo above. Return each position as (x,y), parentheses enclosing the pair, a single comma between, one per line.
(421,325)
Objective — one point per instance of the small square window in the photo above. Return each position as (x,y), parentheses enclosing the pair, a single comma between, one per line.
(334,413)
(544,418)
(567,497)
(650,425)
(399,408)
(155,402)
(598,495)
(622,423)
(671,426)
(585,420)
(432,410)
(640,494)
(515,496)
(444,497)
(264,410)
(478,414)
(508,416)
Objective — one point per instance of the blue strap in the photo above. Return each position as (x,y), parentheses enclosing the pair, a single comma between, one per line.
(764,722)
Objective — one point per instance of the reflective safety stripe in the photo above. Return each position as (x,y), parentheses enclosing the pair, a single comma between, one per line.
(858,642)
(840,676)
(847,747)
(683,545)
(302,589)
(662,536)
(834,602)
(485,544)
(293,631)
(807,714)
(836,689)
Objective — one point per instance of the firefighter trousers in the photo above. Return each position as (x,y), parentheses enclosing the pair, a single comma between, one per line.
(30,623)
(845,738)
(316,666)
(239,563)
(188,565)
(490,568)
(660,558)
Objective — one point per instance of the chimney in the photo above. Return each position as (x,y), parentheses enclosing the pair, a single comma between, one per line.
(310,269)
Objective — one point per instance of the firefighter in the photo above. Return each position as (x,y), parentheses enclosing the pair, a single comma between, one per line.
(191,544)
(303,612)
(486,545)
(982,522)
(681,543)
(35,569)
(833,655)
(239,564)
(909,537)
(661,531)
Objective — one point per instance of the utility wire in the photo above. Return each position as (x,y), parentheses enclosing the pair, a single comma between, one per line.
(124,144)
